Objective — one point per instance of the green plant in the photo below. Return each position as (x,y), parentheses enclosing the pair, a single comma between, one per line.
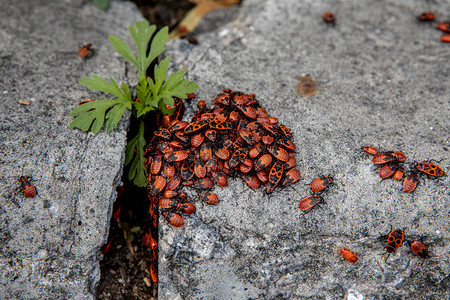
(152,94)
(102,4)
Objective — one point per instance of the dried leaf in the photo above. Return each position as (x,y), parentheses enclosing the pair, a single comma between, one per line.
(194,16)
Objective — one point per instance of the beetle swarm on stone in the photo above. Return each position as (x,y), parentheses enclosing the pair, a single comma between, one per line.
(235,138)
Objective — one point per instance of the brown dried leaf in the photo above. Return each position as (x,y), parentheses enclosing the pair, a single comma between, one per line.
(193,17)
(24,102)
(306,86)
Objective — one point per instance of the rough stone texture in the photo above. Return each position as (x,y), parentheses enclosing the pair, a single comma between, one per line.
(383,81)
(49,247)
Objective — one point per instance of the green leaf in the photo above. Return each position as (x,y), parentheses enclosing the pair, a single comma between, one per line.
(130,236)
(113,116)
(123,49)
(135,148)
(167,100)
(126,92)
(99,84)
(91,115)
(143,90)
(102,4)
(160,74)
(144,110)
(135,229)
(164,110)
(182,88)
(173,79)
(141,34)
(157,46)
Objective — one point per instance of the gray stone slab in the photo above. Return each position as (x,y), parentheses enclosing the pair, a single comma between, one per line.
(49,247)
(383,81)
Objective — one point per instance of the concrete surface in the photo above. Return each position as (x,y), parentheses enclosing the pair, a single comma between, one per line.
(49,247)
(382,81)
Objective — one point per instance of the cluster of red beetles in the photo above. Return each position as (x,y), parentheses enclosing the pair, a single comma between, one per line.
(390,162)
(318,185)
(428,16)
(236,138)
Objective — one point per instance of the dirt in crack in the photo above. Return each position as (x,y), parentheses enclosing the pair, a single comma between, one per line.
(126,269)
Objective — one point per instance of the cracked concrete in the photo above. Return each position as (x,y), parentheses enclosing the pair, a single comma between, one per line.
(50,243)
(382,80)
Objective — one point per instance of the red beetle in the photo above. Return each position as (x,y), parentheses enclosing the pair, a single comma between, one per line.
(287,144)
(410,182)
(197,140)
(222,153)
(395,239)
(195,126)
(418,248)
(156,164)
(279,153)
(262,176)
(149,241)
(371,150)
(276,172)
(169,170)
(426,16)
(157,186)
(388,170)
(170,193)
(349,256)
(153,273)
(252,181)
(430,169)
(399,156)
(174,219)
(167,202)
(290,163)
(86,51)
(177,125)
(205,152)
(328,17)
(445,38)
(291,176)
(220,179)
(237,157)
(398,175)
(211,134)
(383,158)
(443,26)
(201,104)
(209,197)
(263,162)
(320,183)
(163,133)
(244,168)
(267,139)
(105,248)
(179,155)
(200,168)
(173,183)
(309,202)
(203,183)
(27,187)
(186,208)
